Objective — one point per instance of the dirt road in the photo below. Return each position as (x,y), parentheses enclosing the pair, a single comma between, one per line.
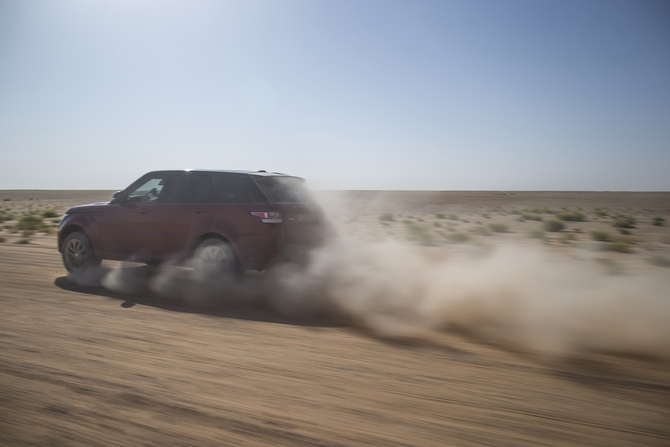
(83,366)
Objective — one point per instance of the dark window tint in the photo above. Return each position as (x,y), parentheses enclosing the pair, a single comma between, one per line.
(286,189)
(237,188)
(189,187)
(146,190)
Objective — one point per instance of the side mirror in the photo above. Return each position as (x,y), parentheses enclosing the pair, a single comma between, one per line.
(117,197)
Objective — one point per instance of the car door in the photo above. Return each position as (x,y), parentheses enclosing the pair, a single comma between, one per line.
(183,214)
(127,226)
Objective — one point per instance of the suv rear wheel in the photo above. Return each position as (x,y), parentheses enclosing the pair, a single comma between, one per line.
(213,259)
(78,253)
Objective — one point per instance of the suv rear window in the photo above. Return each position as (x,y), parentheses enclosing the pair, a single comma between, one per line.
(286,189)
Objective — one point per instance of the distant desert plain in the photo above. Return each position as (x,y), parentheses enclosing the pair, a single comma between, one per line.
(587,363)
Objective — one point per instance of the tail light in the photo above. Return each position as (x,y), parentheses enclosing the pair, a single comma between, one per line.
(268,216)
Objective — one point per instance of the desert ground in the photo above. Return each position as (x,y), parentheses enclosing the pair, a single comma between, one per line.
(90,364)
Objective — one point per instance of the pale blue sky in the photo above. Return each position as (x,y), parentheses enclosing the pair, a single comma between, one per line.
(523,95)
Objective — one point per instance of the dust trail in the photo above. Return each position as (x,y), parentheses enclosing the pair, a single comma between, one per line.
(519,296)
(524,297)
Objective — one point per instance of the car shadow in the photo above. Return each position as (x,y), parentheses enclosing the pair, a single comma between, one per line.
(236,304)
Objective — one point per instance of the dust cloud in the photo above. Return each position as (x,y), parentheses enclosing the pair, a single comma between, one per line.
(521,297)
(517,296)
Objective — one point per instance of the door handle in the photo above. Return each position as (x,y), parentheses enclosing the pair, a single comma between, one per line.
(143,211)
(199,210)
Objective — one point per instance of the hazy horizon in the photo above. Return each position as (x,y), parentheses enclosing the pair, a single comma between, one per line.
(374,95)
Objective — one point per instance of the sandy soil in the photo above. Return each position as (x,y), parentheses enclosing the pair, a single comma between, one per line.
(84,366)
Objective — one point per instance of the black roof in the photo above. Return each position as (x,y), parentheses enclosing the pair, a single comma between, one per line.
(260,173)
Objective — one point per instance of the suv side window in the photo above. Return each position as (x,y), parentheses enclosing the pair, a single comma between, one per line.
(237,188)
(148,190)
(189,187)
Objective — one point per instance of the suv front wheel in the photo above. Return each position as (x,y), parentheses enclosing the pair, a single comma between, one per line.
(214,259)
(78,253)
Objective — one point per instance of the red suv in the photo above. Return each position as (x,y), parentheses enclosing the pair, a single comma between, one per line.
(226,221)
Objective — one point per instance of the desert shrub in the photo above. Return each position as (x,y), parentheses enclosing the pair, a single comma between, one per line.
(458,237)
(536,233)
(600,212)
(660,261)
(441,215)
(624,232)
(628,239)
(553,225)
(498,227)
(601,235)
(47,229)
(6,216)
(29,222)
(3,239)
(27,233)
(531,216)
(482,230)
(50,213)
(619,246)
(437,225)
(7,200)
(658,221)
(452,217)
(624,221)
(572,216)
(387,217)
(23,241)
(419,233)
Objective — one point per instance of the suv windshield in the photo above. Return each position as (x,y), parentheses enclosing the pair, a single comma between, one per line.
(286,189)
(147,191)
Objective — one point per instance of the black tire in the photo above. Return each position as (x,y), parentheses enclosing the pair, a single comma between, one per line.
(214,259)
(78,254)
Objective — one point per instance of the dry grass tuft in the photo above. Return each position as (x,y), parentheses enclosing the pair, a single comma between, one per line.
(624,221)
(553,225)
(498,227)
(601,235)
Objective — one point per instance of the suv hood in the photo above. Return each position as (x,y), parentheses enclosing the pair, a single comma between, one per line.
(90,208)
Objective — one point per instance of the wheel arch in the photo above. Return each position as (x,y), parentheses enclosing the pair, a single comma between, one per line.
(210,235)
(73,228)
